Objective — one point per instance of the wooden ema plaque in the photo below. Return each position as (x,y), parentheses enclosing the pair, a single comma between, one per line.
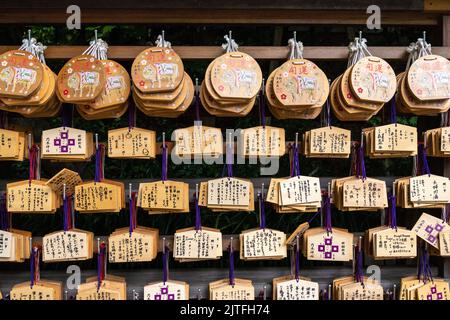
(164,196)
(14,245)
(67,246)
(222,290)
(289,288)
(228,192)
(273,196)
(327,142)
(117,86)
(429,188)
(112,288)
(140,245)
(194,245)
(361,291)
(41,290)
(82,79)
(198,140)
(236,75)
(20,74)
(394,243)
(7,245)
(157,69)
(434,290)
(429,228)
(429,78)
(131,143)
(444,243)
(65,176)
(395,137)
(364,193)
(12,145)
(263,244)
(104,196)
(372,79)
(67,143)
(31,197)
(328,246)
(169,290)
(300,82)
(262,141)
(300,190)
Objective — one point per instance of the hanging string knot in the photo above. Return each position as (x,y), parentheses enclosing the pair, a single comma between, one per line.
(230,45)
(162,43)
(296,49)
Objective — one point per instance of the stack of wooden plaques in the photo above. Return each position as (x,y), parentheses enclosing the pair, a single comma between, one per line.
(70,245)
(227,194)
(347,288)
(139,245)
(81,80)
(327,142)
(12,145)
(64,182)
(390,141)
(297,89)
(131,143)
(14,245)
(437,142)
(113,99)
(262,141)
(164,197)
(231,84)
(31,196)
(67,144)
(359,194)
(191,245)
(274,197)
(413,288)
(290,288)
(384,243)
(168,290)
(40,290)
(197,141)
(161,87)
(425,191)
(361,91)
(423,87)
(28,86)
(262,244)
(242,289)
(322,245)
(111,288)
(288,195)
(106,196)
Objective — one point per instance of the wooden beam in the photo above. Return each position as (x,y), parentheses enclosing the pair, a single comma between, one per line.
(436,6)
(258,52)
(215,16)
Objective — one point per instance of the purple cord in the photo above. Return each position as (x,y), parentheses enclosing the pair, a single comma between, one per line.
(165,264)
(99,160)
(393,111)
(361,164)
(66,213)
(295,165)
(32,267)
(262,222)
(425,168)
(328,113)
(197,106)
(66,113)
(231,270)
(326,212)
(359,274)
(4,215)
(392,212)
(198,218)
(229,160)
(164,163)
(132,209)
(297,262)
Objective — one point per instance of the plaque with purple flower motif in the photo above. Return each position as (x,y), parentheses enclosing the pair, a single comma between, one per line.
(63,141)
(429,228)
(328,246)
(169,290)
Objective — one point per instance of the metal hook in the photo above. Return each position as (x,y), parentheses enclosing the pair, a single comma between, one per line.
(64,191)
(29,141)
(424,36)
(229,35)
(96,35)
(98,245)
(196,191)
(264,292)
(164,139)
(296,139)
(329,291)
(164,245)
(162,37)
(295,36)
(262,191)
(29,36)
(231,243)
(96,141)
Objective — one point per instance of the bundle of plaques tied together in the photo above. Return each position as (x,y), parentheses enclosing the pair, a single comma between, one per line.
(298,88)
(97,86)
(27,85)
(161,88)
(361,91)
(424,88)
(231,83)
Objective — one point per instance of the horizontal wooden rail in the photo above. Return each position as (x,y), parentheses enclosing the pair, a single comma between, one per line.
(215,16)
(258,52)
